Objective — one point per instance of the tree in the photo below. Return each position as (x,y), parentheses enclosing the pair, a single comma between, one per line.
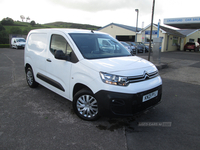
(7,21)
(16,30)
(4,37)
(22,17)
(32,23)
(25,31)
(1,27)
(27,18)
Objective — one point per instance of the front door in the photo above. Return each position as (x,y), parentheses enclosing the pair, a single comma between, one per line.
(59,71)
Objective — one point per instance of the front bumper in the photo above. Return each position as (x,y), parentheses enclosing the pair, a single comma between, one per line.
(20,46)
(113,104)
(189,48)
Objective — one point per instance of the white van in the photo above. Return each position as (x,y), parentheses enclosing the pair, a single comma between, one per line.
(99,81)
(18,42)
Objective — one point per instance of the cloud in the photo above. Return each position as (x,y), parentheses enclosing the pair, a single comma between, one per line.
(145,6)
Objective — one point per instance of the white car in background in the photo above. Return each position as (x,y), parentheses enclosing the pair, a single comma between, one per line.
(18,43)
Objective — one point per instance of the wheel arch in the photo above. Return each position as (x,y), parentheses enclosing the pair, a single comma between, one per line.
(27,66)
(78,87)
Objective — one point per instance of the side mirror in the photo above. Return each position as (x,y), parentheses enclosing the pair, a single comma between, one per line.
(60,55)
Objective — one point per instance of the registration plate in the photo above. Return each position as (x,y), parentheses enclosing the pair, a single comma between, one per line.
(149,96)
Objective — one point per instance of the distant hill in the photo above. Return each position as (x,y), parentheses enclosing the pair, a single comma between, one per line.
(72,25)
(24,27)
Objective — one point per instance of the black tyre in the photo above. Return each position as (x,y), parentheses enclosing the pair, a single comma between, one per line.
(85,105)
(30,78)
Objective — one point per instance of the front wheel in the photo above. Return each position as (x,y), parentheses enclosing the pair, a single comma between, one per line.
(30,78)
(85,105)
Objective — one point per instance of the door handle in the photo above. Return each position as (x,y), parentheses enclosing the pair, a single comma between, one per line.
(49,60)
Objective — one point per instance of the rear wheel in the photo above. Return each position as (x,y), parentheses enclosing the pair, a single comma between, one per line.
(85,105)
(30,78)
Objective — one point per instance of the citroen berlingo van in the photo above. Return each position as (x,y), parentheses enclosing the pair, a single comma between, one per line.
(100,80)
(18,43)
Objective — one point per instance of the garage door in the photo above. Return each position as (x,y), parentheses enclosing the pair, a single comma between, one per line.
(125,38)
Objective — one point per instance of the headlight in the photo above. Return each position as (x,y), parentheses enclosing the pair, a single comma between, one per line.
(114,79)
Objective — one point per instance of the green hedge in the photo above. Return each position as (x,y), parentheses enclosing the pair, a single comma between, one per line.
(4,45)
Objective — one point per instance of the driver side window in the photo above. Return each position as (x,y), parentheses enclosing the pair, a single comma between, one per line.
(58,42)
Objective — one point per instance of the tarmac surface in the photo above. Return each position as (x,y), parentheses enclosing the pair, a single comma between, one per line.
(40,119)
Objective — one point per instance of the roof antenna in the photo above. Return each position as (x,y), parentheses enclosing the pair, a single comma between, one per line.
(92,31)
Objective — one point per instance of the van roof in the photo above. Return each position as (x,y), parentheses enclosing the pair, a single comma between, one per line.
(65,30)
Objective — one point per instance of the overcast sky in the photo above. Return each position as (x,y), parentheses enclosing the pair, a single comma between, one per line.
(98,12)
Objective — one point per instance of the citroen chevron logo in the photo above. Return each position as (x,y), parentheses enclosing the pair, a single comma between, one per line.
(145,75)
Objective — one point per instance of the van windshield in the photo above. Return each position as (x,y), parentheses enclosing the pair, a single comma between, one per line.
(94,46)
(20,40)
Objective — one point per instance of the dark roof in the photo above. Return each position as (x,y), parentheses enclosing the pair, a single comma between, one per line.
(122,26)
(187,31)
(171,31)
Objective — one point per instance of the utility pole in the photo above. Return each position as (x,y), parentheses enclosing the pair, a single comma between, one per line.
(151,30)
(137,10)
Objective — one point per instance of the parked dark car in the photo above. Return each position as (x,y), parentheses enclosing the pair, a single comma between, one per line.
(133,46)
(144,46)
(140,48)
(191,46)
(128,47)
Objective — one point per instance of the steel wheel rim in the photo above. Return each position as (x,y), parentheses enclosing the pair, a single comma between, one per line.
(87,106)
(29,76)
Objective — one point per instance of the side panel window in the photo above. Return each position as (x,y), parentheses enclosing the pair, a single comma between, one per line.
(58,42)
(37,42)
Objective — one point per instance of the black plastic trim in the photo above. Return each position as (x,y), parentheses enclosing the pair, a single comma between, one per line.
(73,57)
(50,81)
(114,104)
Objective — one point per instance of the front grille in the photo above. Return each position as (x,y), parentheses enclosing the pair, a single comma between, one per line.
(143,77)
